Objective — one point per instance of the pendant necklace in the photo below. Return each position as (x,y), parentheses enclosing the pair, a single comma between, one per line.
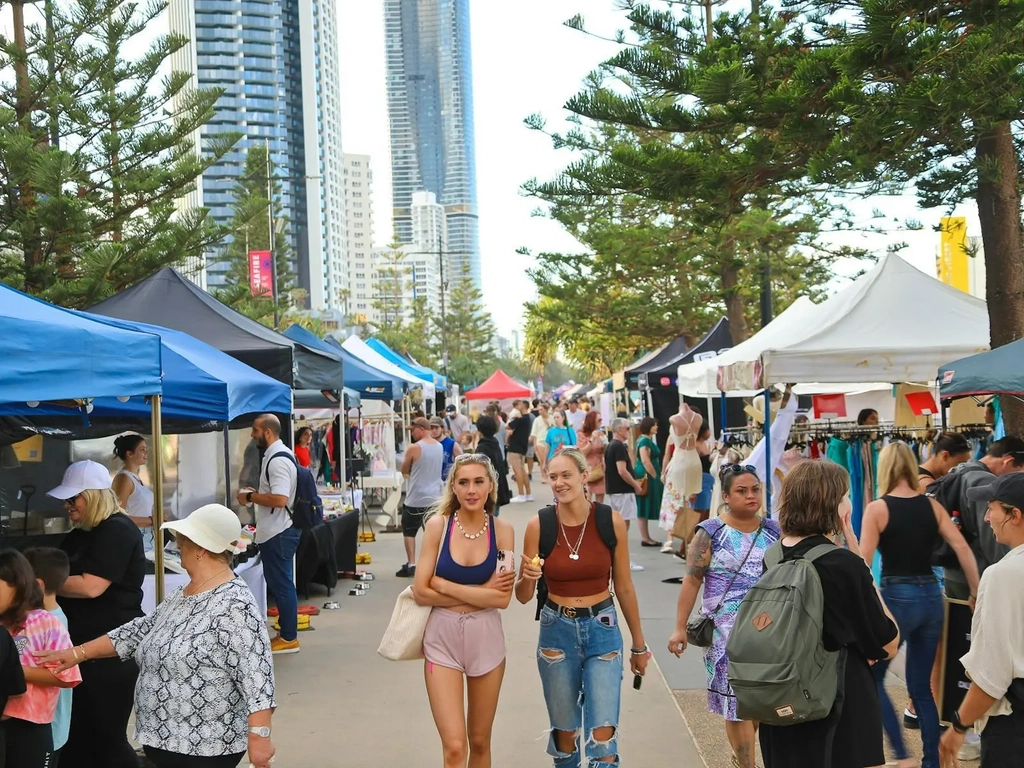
(574,552)
(470,536)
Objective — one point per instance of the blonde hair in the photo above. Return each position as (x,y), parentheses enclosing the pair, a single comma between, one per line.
(99,505)
(809,501)
(449,502)
(896,462)
(575,456)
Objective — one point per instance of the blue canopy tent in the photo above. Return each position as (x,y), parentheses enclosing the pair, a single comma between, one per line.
(49,353)
(370,383)
(203,389)
(419,371)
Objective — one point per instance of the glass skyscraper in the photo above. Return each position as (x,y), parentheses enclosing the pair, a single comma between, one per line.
(277,63)
(430,107)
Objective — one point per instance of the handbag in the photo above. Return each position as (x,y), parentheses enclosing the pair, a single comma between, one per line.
(700,630)
(643,486)
(403,639)
(596,473)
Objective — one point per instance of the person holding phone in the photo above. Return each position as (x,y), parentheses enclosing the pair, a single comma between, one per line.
(464,643)
(579,650)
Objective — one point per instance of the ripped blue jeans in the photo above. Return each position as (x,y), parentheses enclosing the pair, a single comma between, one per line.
(580,663)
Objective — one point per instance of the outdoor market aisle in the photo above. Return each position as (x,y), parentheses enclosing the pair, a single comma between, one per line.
(342,705)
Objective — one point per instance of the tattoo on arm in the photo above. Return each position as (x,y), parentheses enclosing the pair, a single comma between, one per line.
(698,555)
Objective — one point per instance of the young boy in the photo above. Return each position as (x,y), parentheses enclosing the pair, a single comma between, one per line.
(51,567)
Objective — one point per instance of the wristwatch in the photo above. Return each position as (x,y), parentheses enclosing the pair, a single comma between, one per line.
(958,726)
(248,498)
(260,730)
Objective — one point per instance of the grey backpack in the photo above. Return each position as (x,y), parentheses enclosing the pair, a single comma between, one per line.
(779,669)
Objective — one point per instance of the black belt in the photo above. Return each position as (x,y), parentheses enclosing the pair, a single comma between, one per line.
(571,612)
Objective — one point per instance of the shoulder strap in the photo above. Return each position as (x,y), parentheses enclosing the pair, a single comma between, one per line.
(606,525)
(293,461)
(548,531)
(773,555)
(815,552)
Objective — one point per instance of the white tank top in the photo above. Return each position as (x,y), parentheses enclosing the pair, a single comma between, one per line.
(140,503)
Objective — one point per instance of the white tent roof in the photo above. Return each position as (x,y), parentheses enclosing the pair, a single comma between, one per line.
(894,324)
(360,349)
(700,379)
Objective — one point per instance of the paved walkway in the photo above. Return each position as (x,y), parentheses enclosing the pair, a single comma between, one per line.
(342,705)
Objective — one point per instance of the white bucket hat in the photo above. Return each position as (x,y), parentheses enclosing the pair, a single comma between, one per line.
(82,476)
(214,527)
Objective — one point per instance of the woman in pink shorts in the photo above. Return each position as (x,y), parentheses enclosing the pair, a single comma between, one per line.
(464,638)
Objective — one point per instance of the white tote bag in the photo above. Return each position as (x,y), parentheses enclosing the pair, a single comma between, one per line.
(403,639)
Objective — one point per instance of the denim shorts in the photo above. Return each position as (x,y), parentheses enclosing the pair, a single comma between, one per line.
(580,662)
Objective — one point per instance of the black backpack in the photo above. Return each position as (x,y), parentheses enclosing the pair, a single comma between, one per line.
(549,536)
(308,507)
(948,491)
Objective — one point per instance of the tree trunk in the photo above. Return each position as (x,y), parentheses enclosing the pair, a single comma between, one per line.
(999,209)
(734,309)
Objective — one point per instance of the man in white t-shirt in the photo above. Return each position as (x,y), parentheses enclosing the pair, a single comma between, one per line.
(276,536)
(457,423)
(575,417)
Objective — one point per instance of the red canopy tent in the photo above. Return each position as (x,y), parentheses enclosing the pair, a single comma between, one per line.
(500,386)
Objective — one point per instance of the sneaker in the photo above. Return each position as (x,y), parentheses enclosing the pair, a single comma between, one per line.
(406,571)
(668,549)
(529,497)
(971,749)
(518,499)
(910,721)
(280,646)
(635,566)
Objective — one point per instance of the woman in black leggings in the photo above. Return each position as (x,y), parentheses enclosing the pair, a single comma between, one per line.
(104,591)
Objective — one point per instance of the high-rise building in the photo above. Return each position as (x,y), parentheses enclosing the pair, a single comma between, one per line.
(358,196)
(430,108)
(277,62)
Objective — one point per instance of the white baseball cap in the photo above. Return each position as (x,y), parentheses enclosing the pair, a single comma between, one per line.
(214,527)
(82,476)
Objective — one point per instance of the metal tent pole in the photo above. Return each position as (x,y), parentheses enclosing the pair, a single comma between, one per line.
(158,496)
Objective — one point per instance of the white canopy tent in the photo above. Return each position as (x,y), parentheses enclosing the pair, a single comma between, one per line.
(360,349)
(893,324)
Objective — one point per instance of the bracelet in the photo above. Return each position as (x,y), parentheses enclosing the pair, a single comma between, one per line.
(638,651)
(85,656)
(955,721)
(74,652)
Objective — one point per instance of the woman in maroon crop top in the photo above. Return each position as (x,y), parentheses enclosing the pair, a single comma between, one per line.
(464,644)
(580,650)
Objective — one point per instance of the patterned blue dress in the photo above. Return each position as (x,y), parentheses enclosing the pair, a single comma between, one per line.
(728,548)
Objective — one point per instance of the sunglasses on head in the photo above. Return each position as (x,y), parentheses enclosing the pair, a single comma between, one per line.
(476,458)
(737,469)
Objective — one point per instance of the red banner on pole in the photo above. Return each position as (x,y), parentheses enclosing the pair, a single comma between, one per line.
(261,274)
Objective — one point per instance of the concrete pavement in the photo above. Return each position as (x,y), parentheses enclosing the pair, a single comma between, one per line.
(340,704)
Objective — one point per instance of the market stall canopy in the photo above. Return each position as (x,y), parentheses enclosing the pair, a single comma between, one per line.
(627,377)
(370,356)
(893,324)
(500,386)
(370,383)
(664,373)
(700,378)
(999,372)
(50,353)
(316,400)
(419,371)
(203,389)
(168,299)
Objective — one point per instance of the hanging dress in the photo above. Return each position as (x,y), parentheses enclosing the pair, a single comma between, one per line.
(683,478)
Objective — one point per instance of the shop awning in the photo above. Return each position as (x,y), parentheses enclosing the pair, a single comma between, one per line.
(419,371)
(49,353)
(998,372)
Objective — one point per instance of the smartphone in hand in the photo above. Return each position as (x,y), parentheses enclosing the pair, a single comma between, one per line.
(638,680)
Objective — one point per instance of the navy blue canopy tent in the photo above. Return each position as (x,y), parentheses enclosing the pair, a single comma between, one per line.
(370,383)
(50,353)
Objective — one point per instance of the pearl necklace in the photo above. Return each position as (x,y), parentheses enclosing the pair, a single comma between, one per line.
(471,536)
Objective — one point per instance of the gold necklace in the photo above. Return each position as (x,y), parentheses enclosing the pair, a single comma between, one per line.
(196,590)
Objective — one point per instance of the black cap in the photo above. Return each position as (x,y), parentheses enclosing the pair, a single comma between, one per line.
(1006,489)
(450,408)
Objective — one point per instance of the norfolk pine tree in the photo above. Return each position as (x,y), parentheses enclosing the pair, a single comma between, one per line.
(97,154)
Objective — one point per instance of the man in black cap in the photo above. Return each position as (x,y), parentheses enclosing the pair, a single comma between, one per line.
(995,663)
(457,423)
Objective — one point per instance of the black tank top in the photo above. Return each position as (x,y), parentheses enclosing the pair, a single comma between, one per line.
(908,541)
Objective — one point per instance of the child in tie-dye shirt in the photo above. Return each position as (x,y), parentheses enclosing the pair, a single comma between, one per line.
(27,718)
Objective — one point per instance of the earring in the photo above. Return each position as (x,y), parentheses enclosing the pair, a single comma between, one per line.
(199,557)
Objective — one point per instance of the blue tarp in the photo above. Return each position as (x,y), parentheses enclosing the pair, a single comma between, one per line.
(50,353)
(370,383)
(419,371)
(201,384)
